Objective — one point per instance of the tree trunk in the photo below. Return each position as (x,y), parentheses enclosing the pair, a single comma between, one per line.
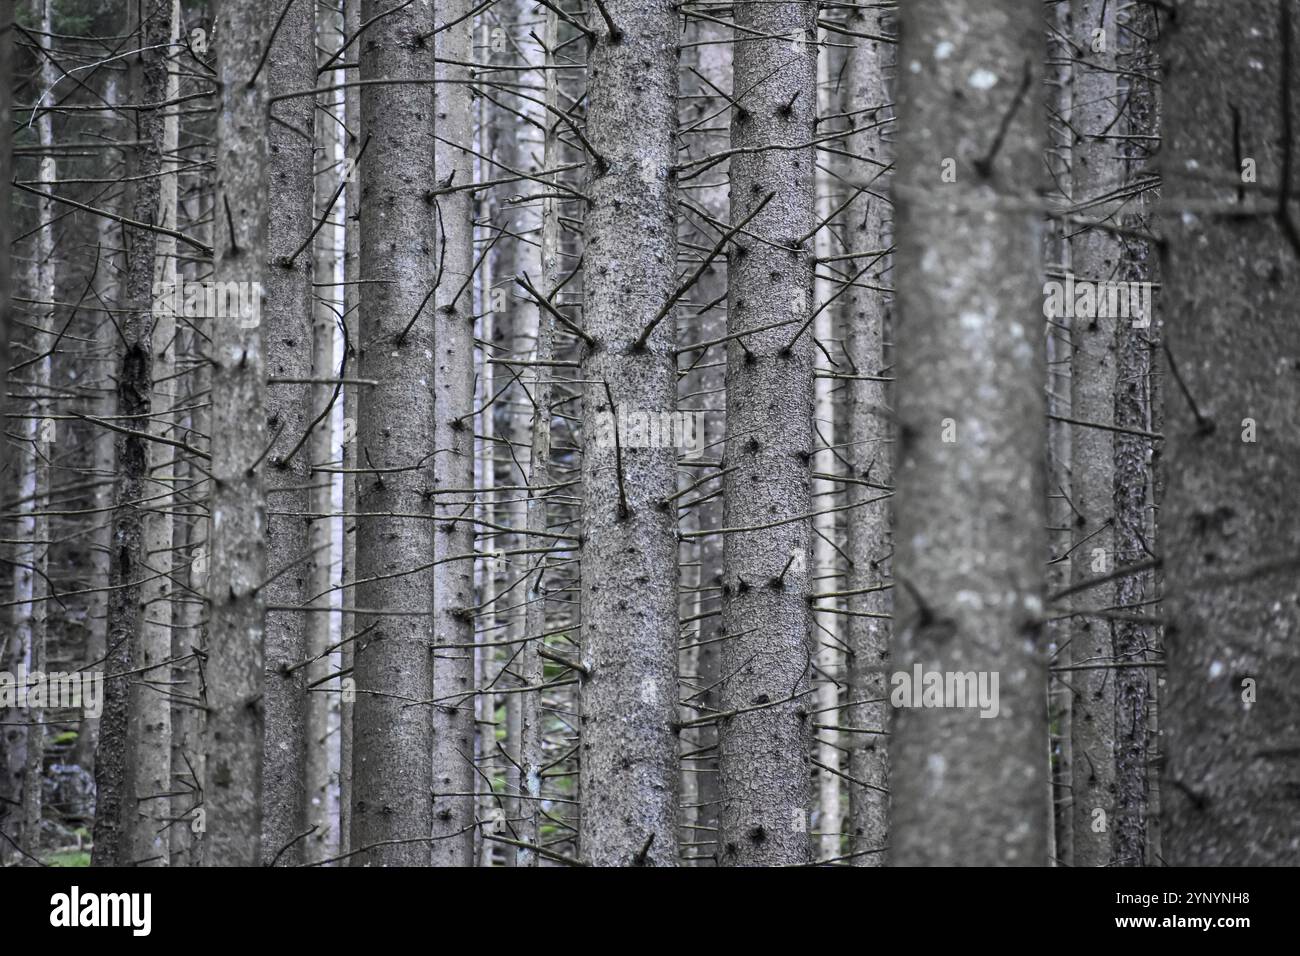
(765,746)
(150,726)
(970,512)
(1095,257)
(454,778)
(394,670)
(116,759)
(235,678)
(322,744)
(287,330)
(629,551)
(1232,715)
(870,448)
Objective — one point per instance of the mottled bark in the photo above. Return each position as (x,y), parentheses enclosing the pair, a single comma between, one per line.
(869,448)
(970,512)
(1060,510)
(1095,256)
(825,571)
(1135,532)
(454,779)
(629,544)
(352,122)
(235,679)
(1231,716)
(322,742)
(287,335)
(116,804)
(150,726)
(764,746)
(393,729)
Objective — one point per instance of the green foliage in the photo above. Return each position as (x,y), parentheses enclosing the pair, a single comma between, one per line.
(69,858)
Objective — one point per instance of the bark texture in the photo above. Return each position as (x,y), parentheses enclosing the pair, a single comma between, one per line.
(1095,255)
(870,450)
(235,680)
(392,746)
(1232,716)
(117,801)
(287,333)
(969,538)
(764,746)
(454,779)
(629,544)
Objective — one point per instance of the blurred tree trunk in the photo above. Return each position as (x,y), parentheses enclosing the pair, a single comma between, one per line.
(970,507)
(1232,716)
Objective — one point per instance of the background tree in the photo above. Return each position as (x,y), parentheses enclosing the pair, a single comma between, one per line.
(1231,712)
(969,511)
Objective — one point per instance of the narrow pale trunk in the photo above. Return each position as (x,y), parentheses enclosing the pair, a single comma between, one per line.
(532,754)
(765,743)
(715,63)
(150,726)
(969,535)
(351,324)
(454,779)
(827,641)
(322,697)
(1230,713)
(1060,509)
(31,583)
(629,550)
(235,678)
(392,751)
(189,618)
(870,449)
(1095,258)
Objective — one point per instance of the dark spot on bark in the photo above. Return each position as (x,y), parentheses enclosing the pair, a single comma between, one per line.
(758,835)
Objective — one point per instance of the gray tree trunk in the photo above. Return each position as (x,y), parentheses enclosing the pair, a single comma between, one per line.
(116,803)
(1231,714)
(392,746)
(870,449)
(629,550)
(765,745)
(287,333)
(235,678)
(150,725)
(970,514)
(1132,828)
(454,778)
(322,742)
(532,752)
(352,122)
(1095,256)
